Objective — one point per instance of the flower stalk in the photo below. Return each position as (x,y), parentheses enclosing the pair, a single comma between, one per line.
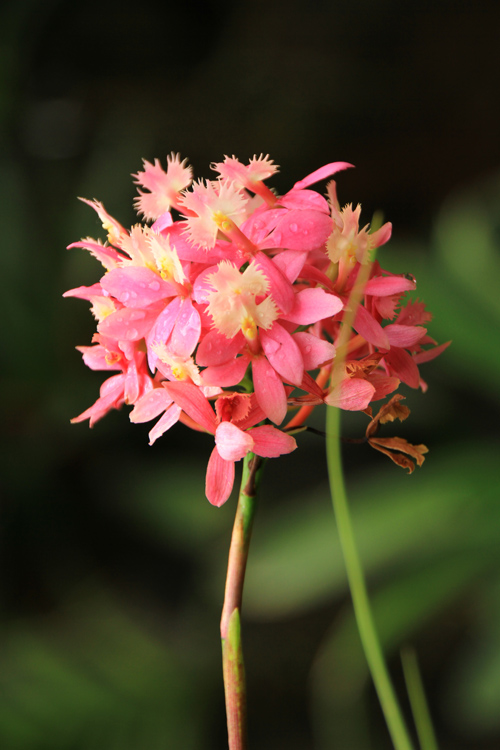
(354,569)
(359,593)
(232,653)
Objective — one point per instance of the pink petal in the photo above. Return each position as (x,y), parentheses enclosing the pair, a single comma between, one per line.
(281,290)
(255,415)
(315,351)
(215,349)
(404,336)
(429,354)
(227,374)
(368,327)
(201,286)
(290,263)
(283,353)
(305,199)
(232,443)
(311,386)
(150,405)
(383,384)
(128,324)
(95,358)
(258,226)
(187,329)
(162,222)
(270,442)
(352,394)
(301,230)
(161,330)
(136,286)
(382,235)
(312,305)
(170,418)
(193,402)
(186,251)
(310,273)
(111,397)
(385,286)
(320,174)
(133,383)
(403,366)
(269,390)
(86,292)
(108,256)
(220,479)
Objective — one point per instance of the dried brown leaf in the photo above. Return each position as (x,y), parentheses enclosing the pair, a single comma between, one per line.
(400,450)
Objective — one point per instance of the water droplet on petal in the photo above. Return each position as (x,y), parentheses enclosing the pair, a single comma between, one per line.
(293,227)
(125,297)
(154,285)
(132,334)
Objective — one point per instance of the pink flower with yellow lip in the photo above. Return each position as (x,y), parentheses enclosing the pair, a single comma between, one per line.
(164,187)
(243,314)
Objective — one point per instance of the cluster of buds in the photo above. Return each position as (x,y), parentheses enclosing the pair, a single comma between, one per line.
(223,310)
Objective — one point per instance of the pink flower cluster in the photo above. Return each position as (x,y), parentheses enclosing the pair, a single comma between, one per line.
(224,312)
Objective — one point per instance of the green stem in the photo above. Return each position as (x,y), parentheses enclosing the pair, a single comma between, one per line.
(357,585)
(418,701)
(232,654)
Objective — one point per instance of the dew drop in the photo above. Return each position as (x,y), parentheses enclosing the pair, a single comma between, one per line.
(132,334)
(125,297)
(154,285)
(293,227)
(308,349)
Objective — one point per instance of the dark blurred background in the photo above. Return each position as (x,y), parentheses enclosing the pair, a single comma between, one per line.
(112,560)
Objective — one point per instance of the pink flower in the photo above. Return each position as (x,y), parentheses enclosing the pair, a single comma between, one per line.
(232,424)
(164,187)
(210,207)
(126,388)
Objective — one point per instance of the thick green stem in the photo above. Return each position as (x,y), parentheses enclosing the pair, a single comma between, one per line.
(357,585)
(232,654)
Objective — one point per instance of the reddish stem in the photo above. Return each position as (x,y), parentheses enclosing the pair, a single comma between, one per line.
(232,654)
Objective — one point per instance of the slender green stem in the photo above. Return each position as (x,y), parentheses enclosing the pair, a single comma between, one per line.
(232,653)
(357,585)
(418,702)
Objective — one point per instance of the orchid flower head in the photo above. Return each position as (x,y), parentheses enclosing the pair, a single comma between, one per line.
(234,310)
